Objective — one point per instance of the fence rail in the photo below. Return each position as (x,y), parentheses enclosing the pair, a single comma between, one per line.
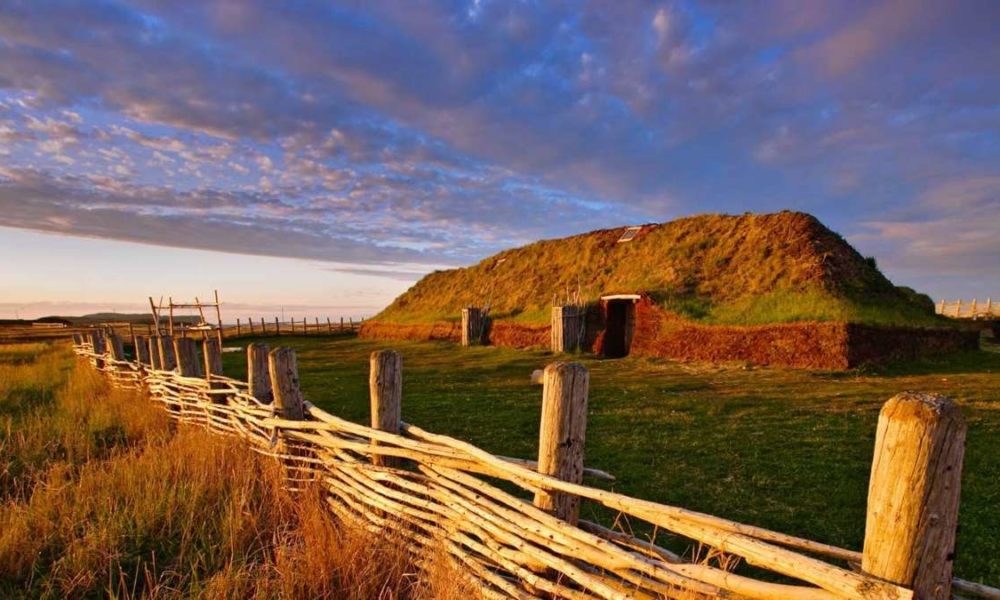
(969,309)
(242,328)
(305,326)
(438,493)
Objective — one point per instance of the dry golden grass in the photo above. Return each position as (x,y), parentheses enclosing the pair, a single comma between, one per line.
(102,497)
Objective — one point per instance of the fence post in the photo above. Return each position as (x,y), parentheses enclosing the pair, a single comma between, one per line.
(155,362)
(556,339)
(385,387)
(187,357)
(472,326)
(115,347)
(168,358)
(141,344)
(263,327)
(562,434)
(913,493)
(258,375)
(329,326)
(341,323)
(277,326)
(238,331)
(97,341)
(213,356)
(288,401)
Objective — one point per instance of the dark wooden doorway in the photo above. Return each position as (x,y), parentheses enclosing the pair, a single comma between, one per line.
(616,334)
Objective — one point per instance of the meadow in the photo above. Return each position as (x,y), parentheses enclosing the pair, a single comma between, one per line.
(101,496)
(785,449)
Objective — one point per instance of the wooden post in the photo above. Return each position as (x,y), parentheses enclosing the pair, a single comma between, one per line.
(116,349)
(989,307)
(258,375)
(155,362)
(142,350)
(168,358)
(472,326)
(263,327)
(342,323)
(562,434)
(288,400)
(212,353)
(913,494)
(329,326)
(973,315)
(238,332)
(218,317)
(97,341)
(317,324)
(350,321)
(958,309)
(385,387)
(187,357)
(567,325)
(277,326)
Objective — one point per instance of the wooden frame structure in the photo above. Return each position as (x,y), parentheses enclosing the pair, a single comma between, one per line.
(203,326)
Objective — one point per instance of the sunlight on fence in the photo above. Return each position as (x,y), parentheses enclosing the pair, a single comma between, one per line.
(513,525)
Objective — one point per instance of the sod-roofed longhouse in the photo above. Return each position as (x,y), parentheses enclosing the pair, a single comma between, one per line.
(777,289)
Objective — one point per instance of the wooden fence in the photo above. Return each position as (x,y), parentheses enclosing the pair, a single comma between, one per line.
(966,309)
(242,328)
(442,494)
(305,326)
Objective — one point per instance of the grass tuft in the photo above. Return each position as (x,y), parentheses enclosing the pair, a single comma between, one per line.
(104,497)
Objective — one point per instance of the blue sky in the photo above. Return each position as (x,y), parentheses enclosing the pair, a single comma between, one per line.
(321,156)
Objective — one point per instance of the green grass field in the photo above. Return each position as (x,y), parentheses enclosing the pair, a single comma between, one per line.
(783,449)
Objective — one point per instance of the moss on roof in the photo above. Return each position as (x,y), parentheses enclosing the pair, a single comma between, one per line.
(744,269)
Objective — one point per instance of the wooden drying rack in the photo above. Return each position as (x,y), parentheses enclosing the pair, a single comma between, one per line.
(183,328)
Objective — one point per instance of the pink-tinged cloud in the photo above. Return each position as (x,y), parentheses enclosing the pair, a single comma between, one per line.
(439,132)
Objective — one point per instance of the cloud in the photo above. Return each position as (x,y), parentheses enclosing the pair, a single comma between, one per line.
(397,274)
(439,131)
(951,230)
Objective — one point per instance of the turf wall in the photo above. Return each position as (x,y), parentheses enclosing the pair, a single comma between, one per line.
(656,332)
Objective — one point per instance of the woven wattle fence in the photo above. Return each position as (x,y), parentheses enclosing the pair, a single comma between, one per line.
(510,525)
